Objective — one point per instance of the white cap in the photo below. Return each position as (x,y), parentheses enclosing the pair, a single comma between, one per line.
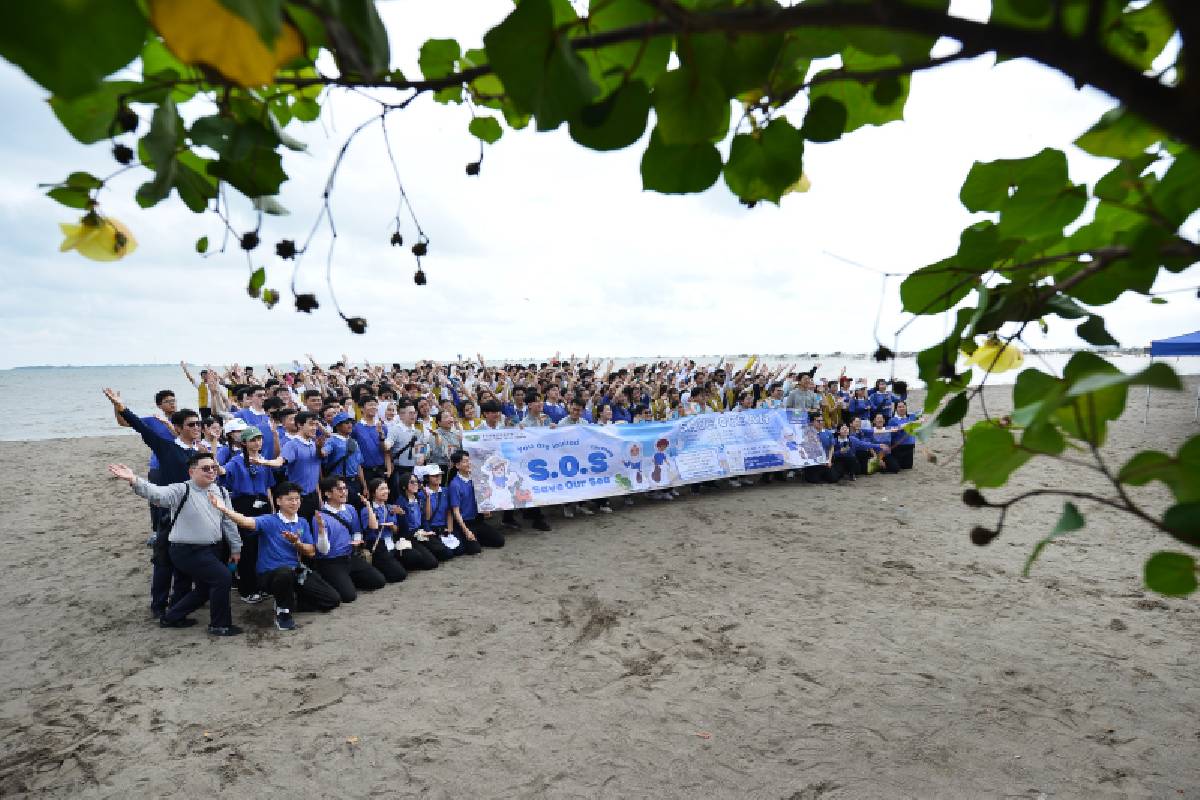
(235,425)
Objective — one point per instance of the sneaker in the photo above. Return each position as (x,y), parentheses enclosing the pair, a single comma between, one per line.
(735,484)
(251,599)
(229,630)
(791,474)
(605,509)
(587,512)
(511,525)
(628,501)
(674,493)
(182,622)
(541,525)
(284,621)
(568,512)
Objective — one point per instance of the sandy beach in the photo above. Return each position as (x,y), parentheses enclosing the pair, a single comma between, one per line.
(782,641)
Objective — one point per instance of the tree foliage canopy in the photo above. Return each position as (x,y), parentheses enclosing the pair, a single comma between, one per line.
(730,90)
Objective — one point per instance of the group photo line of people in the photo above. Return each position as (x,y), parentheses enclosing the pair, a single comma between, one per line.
(309,485)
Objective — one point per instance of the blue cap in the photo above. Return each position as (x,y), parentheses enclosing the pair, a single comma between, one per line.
(341,417)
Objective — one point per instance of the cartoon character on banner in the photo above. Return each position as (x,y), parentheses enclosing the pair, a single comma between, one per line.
(661,474)
(633,479)
(811,448)
(504,487)
(790,446)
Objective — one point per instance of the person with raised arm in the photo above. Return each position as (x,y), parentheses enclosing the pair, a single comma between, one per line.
(285,538)
(302,459)
(167,584)
(195,534)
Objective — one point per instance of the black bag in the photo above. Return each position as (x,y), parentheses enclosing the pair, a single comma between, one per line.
(158,553)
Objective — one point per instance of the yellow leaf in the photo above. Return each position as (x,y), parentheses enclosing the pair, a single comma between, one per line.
(996,356)
(205,32)
(802,185)
(98,238)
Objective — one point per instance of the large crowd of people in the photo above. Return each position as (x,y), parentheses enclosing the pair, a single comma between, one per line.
(310,485)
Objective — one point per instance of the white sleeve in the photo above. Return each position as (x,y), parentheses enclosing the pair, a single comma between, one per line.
(322,540)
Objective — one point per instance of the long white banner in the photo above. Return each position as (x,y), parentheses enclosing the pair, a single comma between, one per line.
(523,467)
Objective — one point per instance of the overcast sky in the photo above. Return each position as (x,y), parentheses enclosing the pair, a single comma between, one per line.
(552,248)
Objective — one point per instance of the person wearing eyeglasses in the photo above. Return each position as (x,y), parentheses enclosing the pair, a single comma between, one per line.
(167,585)
(339,558)
(196,533)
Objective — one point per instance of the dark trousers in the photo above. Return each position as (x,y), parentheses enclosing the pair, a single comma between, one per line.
(818,473)
(510,517)
(418,557)
(168,584)
(439,550)
(485,534)
(904,455)
(844,467)
(309,503)
(247,575)
(202,562)
(385,561)
(346,574)
(863,457)
(313,595)
(354,489)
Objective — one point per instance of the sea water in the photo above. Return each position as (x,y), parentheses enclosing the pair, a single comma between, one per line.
(66,402)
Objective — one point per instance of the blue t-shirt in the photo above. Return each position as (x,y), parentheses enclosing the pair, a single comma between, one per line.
(163,431)
(439,507)
(902,436)
(303,465)
(462,497)
(274,551)
(383,515)
(242,479)
(263,423)
(369,446)
(337,458)
(341,528)
(554,412)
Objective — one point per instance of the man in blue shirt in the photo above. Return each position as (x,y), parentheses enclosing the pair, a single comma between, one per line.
(339,543)
(303,461)
(256,416)
(286,537)
(370,435)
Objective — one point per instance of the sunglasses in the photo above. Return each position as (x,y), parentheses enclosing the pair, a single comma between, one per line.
(208,468)
(194,423)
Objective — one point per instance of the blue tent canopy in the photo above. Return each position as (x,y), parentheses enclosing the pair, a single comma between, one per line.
(1187,344)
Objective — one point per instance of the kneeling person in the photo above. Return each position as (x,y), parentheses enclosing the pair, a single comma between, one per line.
(339,544)
(284,538)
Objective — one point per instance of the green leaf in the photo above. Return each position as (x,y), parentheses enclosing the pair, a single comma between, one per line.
(1035,396)
(680,168)
(749,59)
(68,46)
(617,121)
(486,128)
(194,185)
(1171,574)
(954,411)
(990,455)
(763,166)
(1119,134)
(165,135)
(1141,34)
(540,71)
(1044,437)
(1125,179)
(70,197)
(270,297)
(643,60)
(91,117)
(936,288)
(1157,375)
(265,16)
(1177,195)
(863,106)
(1093,332)
(437,58)
(257,279)
(825,120)
(1158,301)
(1184,521)
(249,162)
(368,53)
(691,107)
(1070,520)
(1044,200)
(202,244)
